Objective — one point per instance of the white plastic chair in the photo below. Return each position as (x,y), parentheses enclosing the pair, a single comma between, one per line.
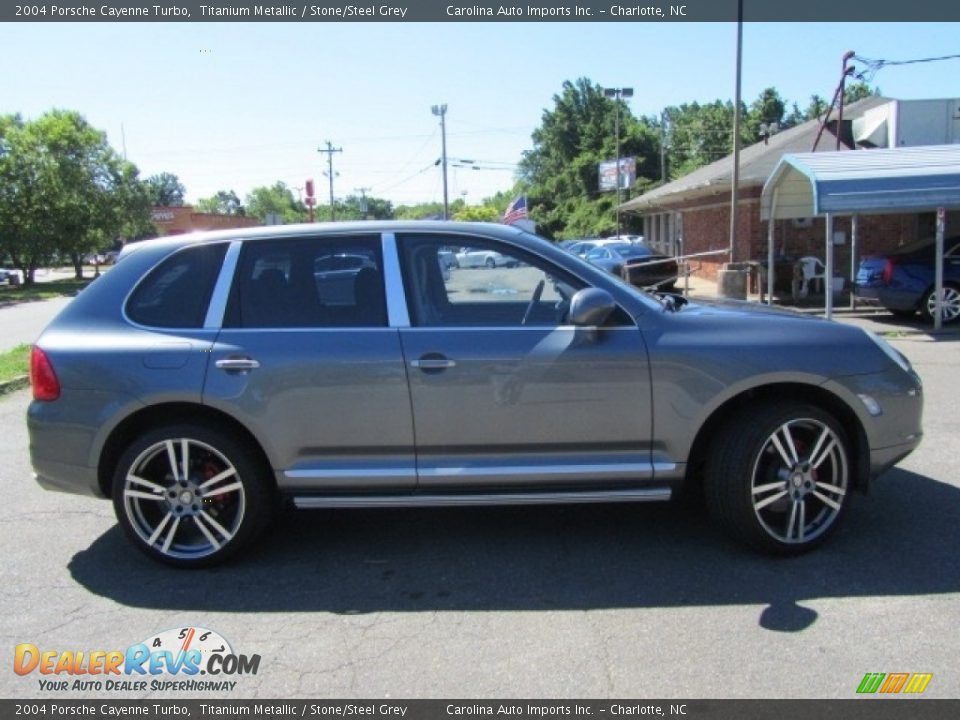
(813,269)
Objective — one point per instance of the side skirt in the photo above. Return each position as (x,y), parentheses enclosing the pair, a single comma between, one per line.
(653,494)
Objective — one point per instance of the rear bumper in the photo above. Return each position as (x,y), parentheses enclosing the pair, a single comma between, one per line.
(889,297)
(51,475)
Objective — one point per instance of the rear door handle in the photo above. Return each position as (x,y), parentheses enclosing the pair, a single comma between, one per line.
(237,364)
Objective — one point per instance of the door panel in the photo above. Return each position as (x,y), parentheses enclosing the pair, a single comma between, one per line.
(504,392)
(306,362)
(526,406)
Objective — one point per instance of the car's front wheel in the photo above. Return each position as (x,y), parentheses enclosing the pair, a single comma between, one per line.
(779,476)
(189,495)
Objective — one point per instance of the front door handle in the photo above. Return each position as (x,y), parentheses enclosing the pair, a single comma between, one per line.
(237,364)
(433,362)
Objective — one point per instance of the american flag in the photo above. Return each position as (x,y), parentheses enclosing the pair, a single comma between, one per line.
(517,210)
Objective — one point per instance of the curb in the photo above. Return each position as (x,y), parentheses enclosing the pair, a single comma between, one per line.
(16,384)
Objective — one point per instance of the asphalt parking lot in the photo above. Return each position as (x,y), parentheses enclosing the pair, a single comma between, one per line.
(598,601)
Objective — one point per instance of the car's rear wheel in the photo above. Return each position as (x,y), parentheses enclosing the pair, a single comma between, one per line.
(778,477)
(490,263)
(190,496)
(949,304)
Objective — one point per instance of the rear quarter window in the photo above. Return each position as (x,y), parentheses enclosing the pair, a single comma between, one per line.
(176,292)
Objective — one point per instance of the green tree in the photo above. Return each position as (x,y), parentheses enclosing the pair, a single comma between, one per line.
(355,207)
(699,135)
(225,202)
(427,210)
(815,108)
(165,190)
(275,200)
(560,174)
(63,190)
(767,109)
(858,91)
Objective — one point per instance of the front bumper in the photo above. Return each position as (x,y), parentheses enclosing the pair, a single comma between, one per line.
(891,420)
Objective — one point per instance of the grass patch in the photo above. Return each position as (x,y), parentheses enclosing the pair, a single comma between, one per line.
(14,363)
(41,291)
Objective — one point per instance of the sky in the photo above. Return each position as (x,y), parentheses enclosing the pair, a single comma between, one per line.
(233,106)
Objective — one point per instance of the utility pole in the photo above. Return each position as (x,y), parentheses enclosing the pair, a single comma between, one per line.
(330,150)
(441,111)
(735,185)
(663,146)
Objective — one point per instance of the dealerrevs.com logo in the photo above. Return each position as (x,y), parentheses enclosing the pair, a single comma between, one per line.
(894,683)
(173,660)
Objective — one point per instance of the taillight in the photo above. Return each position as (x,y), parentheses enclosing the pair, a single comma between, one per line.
(887,274)
(42,377)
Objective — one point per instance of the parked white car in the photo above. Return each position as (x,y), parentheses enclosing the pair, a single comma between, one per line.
(478,257)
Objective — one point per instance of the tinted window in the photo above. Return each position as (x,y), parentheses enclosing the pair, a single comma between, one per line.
(309,282)
(175,293)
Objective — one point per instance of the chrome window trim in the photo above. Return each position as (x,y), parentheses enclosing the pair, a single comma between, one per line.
(309,328)
(221,289)
(397,314)
(527,328)
(638,469)
(321,474)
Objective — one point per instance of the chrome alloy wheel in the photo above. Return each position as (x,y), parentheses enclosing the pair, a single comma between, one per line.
(949,304)
(183,498)
(799,481)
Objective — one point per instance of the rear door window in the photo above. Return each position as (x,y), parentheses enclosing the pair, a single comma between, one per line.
(309,283)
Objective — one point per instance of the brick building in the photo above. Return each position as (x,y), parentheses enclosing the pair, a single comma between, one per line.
(692,214)
(184,219)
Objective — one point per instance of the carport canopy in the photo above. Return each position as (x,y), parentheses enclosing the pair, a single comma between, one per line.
(864,181)
(824,184)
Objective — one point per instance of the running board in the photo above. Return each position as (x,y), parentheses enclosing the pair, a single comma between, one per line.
(458,500)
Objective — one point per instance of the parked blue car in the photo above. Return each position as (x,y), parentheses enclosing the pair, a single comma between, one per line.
(903,281)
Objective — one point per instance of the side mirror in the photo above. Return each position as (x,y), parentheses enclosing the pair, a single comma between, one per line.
(591,307)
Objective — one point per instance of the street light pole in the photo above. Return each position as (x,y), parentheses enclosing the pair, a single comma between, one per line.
(618,93)
(441,111)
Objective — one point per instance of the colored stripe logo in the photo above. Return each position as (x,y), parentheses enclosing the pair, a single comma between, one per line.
(894,683)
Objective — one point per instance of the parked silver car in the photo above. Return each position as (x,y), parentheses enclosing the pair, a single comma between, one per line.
(208,376)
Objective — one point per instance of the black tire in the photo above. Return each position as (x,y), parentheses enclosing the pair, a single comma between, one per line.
(778,477)
(490,263)
(951,304)
(198,518)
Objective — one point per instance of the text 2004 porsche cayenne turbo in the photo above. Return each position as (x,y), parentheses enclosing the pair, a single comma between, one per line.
(207,377)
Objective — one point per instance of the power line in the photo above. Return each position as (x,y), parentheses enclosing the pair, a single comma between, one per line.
(875,66)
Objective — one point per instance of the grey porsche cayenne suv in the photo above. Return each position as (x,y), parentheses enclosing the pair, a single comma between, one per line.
(208,377)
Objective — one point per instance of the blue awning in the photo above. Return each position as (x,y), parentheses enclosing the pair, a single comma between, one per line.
(907,179)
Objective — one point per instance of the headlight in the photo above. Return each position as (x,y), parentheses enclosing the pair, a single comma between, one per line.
(889,351)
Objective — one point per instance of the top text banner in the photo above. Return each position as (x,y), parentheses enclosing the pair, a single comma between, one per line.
(537,11)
